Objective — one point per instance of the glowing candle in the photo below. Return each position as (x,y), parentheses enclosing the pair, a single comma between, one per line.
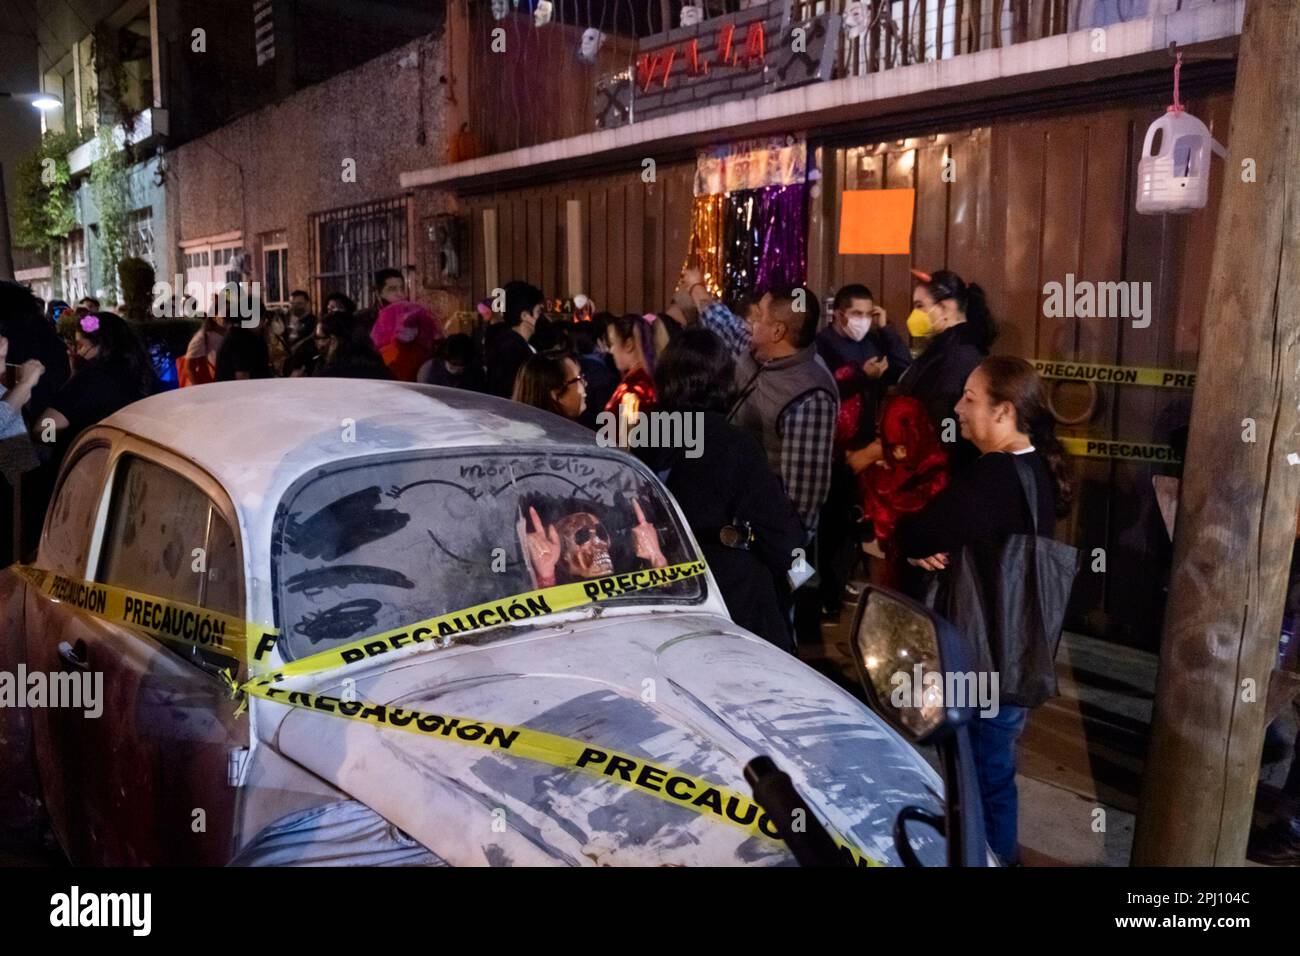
(629,407)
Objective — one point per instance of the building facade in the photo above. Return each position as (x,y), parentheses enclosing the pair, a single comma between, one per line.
(1019,128)
(140,78)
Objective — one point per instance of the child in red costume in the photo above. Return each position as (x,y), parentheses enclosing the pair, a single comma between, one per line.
(913,469)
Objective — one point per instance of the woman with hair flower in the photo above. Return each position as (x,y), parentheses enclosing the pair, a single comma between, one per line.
(110,370)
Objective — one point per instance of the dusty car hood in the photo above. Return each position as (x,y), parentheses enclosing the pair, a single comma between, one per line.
(686,691)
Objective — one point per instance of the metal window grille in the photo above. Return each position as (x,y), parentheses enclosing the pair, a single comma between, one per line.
(263,31)
(74,274)
(902,32)
(139,237)
(349,245)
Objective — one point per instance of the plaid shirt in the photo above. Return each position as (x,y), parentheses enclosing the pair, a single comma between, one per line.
(807,427)
(807,432)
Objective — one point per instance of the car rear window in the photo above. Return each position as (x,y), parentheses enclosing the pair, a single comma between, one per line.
(382,543)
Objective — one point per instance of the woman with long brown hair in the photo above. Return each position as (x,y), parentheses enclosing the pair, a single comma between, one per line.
(1003,413)
(553,383)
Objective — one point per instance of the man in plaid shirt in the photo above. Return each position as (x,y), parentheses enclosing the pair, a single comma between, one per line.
(786,397)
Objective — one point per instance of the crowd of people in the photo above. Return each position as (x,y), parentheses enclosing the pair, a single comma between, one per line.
(835,445)
(823,442)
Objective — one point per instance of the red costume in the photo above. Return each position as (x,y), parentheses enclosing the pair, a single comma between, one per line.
(913,470)
(639,382)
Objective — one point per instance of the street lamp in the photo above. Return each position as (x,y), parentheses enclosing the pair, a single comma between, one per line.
(41,101)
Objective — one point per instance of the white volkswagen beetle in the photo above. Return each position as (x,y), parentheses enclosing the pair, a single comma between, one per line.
(324,511)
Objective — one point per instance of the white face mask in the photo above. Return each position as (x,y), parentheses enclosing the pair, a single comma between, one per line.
(858,328)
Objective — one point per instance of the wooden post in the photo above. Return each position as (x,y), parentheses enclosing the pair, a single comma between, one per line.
(1236,515)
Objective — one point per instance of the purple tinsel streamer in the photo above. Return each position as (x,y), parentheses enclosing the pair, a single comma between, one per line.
(764,239)
(780,217)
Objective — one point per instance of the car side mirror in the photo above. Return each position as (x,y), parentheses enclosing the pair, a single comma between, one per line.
(907,657)
(902,651)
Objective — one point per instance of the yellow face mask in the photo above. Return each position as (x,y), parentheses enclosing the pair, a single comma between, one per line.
(918,323)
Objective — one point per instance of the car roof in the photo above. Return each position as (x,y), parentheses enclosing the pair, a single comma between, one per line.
(256,437)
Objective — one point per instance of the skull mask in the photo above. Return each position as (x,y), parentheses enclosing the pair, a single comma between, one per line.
(855,19)
(591,42)
(500,8)
(584,545)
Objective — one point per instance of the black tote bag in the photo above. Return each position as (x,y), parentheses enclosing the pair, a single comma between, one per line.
(1009,599)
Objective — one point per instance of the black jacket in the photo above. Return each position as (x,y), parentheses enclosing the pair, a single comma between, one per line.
(34,338)
(938,377)
(731,482)
(844,357)
(505,352)
(985,505)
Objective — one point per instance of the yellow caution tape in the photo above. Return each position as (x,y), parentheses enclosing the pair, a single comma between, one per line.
(1122,450)
(183,623)
(169,620)
(673,786)
(520,607)
(1115,374)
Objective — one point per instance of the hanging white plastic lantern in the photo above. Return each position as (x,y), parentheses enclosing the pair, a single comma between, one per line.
(1174,171)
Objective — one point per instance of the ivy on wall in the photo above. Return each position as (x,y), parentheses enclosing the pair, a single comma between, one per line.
(42,209)
(110,187)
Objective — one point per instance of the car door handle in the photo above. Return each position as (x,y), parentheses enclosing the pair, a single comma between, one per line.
(74,656)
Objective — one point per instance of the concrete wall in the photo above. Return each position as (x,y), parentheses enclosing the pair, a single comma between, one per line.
(271,169)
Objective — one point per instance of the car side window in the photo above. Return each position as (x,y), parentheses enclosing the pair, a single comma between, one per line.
(166,538)
(71,522)
(225,584)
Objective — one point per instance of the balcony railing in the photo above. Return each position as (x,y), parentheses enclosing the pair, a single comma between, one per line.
(903,32)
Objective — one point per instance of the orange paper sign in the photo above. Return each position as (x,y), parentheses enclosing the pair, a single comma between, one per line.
(876,222)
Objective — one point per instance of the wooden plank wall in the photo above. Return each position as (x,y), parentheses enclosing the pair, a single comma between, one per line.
(1033,198)
(634,243)
(538,90)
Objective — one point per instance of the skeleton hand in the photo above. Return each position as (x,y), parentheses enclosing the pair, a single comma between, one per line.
(543,549)
(647,539)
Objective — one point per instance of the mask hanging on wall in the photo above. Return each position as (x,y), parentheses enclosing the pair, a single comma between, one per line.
(856,19)
(692,15)
(500,8)
(542,15)
(592,40)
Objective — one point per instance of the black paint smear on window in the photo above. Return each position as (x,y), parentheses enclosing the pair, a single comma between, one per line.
(340,622)
(343,526)
(313,581)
